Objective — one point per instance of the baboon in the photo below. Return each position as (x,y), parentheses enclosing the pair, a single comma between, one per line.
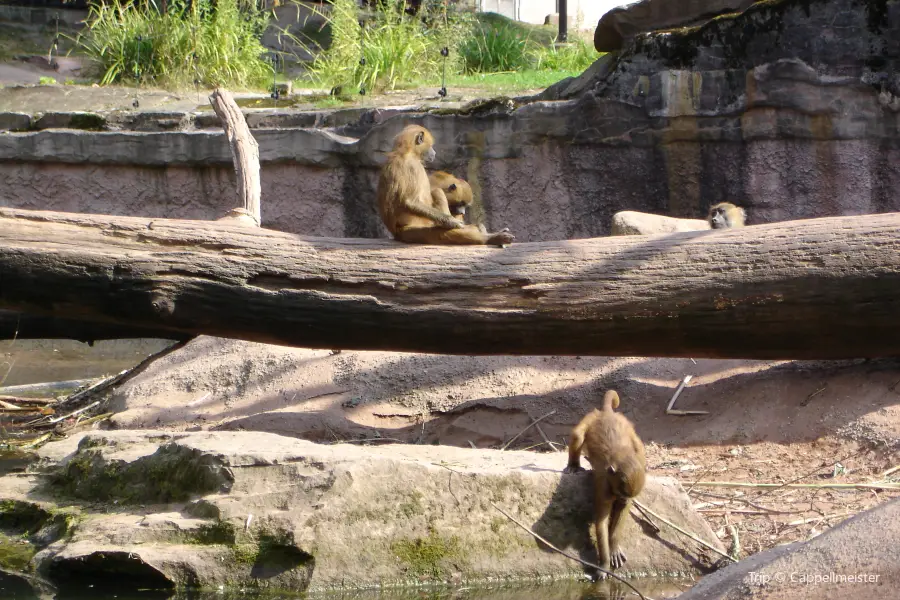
(616,455)
(406,202)
(458,193)
(726,215)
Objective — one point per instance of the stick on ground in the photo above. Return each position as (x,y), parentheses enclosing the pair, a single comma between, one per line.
(682,531)
(566,554)
(530,425)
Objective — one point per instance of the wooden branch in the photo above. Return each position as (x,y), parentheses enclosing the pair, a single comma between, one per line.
(245,152)
(18,326)
(816,289)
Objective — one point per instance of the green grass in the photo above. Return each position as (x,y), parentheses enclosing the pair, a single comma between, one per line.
(189,44)
(391,50)
(518,81)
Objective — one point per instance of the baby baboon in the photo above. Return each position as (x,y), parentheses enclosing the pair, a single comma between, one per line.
(458,193)
(406,202)
(616,455)
(726,215)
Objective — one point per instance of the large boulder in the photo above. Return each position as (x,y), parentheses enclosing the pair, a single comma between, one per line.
(241,508)
(856,559)
(621,24)
(629,222)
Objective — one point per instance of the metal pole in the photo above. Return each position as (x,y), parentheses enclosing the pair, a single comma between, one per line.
(563,32)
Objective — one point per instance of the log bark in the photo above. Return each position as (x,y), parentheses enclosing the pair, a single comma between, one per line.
(245,153)
(817,289)
(18,326)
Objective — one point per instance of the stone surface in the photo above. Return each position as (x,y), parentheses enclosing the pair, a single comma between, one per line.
(790,109)
(619,26)
(856,559)
(295,515)
(629,222)
(11,121)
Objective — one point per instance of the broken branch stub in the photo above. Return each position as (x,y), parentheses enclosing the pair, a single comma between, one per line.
(245,152)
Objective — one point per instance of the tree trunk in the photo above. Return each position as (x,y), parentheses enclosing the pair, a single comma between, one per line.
(18,326)
(817,289)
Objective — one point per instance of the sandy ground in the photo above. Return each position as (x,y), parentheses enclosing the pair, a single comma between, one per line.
(769,422)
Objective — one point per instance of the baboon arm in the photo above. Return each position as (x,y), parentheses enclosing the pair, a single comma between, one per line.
(439,201)
(575,444)
(441,220)
(621,508)
(465,235)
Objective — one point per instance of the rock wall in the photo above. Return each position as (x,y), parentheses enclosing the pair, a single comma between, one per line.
(260,510)
(791,109)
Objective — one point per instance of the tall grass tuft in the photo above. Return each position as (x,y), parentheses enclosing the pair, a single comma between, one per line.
(578,55)
(497,47)
(206,42)
(391,49)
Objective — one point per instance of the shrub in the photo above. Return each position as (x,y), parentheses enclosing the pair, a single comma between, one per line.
(392,49)
(578,55)
(207,43)
(495,47)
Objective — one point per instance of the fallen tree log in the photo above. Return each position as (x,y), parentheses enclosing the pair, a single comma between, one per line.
(817,289)
(18,326)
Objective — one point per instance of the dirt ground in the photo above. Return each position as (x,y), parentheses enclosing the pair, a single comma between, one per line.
(819,423)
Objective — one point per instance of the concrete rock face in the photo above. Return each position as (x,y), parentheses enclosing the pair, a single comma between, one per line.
(629,222)
(856,559)
(621,24)
(287,514)
(790,109)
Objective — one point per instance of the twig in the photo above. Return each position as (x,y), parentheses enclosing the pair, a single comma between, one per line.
(566,554)
(813,395)
(805,475)
(378,439)
(648,518)
(105,384)
(683,532)
(546,439)
(49,386)
(72,414)
(890,472)
(735,543)
(822,486)
(530,425)
(678,390)
(699,477)
(90,421)
(819,518)
(36,441)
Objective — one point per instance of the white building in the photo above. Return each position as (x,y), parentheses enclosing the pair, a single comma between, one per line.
(583,14)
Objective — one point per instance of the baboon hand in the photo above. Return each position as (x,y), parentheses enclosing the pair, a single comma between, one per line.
(617,560)
(450,223)
(573,469)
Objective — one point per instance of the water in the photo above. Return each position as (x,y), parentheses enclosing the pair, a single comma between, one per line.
(15,588)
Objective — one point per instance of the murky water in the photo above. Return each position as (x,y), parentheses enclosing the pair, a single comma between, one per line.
(15,588)
(39,361)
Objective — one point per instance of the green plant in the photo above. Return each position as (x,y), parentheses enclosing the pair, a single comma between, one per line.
(391,49)
(577,55)
(204,42)
(496,47)
(46,81)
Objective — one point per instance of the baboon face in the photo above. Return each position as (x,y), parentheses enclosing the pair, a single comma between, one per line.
(459,197)
(415,139)
(726,215)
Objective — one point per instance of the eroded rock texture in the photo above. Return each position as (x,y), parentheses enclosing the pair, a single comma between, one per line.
(247,508)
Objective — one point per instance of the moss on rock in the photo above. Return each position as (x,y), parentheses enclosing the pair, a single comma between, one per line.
(171,474)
